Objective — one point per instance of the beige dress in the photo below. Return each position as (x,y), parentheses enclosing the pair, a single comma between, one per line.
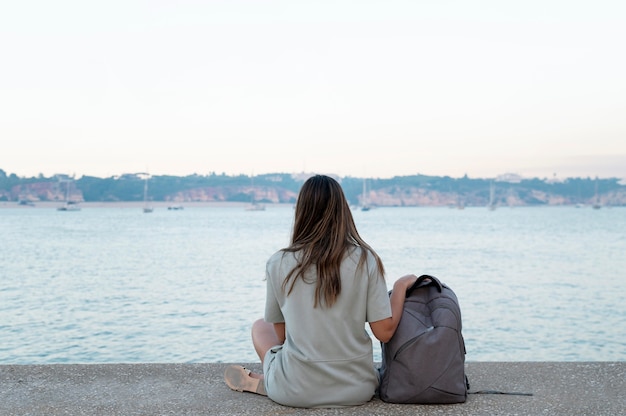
(327,357)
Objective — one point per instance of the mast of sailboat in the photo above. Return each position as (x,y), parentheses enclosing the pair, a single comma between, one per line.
(596,204)
(146,207)
(364,204)
(492,192)
(254,205)
(67,205)
(67,191)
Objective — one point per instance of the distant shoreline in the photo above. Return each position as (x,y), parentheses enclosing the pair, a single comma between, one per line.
(137,204)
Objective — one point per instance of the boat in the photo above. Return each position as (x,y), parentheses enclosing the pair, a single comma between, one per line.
(596,204)
(492,195)
(68,205)
(364,205)
(460,202)
(254,205)
(147,208)
(175,208)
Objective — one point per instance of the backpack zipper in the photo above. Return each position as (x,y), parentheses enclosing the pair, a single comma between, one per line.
(411,341)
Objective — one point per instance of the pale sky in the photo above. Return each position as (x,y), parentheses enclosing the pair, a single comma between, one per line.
(358,88)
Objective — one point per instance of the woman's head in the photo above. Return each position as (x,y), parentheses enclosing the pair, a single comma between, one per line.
(322,213)
(323,231)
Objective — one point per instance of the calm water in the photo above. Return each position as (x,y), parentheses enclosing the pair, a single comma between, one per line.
(117,285)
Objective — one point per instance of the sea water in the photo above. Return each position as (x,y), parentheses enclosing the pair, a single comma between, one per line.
(113,285)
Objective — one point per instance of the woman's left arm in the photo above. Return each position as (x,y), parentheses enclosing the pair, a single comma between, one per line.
(279,328)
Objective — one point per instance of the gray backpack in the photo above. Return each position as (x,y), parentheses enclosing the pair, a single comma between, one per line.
(424,362)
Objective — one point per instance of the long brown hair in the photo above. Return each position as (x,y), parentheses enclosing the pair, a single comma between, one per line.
(323,231)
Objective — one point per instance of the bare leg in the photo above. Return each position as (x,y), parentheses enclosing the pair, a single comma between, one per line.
(239,378)
(263,337)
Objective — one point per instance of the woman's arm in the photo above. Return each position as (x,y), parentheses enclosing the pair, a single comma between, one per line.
(384,329)
(280,332)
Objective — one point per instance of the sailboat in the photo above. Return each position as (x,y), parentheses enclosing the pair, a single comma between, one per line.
(596,204)
(147,208)
(492,194)
(254,205)
(68,205)
(364,205)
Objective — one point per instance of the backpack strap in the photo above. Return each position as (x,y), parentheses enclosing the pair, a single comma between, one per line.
(512,393)
(423,281)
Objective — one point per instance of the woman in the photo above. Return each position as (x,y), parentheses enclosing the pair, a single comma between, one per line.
(321,290)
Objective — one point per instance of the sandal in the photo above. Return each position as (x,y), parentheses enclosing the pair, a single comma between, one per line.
(238,379)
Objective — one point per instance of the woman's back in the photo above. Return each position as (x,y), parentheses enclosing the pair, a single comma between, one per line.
(327,357)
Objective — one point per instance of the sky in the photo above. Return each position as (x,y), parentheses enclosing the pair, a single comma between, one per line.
(353,88)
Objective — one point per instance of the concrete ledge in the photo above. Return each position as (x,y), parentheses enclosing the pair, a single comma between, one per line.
(559,388)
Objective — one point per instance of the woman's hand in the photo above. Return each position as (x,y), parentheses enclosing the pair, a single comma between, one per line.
(404,283)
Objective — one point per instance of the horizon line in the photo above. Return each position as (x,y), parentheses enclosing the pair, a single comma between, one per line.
(505,177)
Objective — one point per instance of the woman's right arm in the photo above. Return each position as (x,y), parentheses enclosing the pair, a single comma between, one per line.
(384,329)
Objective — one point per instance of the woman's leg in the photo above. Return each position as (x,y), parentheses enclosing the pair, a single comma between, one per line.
(263,337)
(241,379)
